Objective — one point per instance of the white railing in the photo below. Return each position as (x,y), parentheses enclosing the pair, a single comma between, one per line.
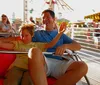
(88,37)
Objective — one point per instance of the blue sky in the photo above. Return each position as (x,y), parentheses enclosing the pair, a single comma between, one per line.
(81,8)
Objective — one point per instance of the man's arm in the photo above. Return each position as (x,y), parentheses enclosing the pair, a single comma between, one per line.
(72,46)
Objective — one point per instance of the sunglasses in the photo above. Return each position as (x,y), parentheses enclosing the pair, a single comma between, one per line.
(3,16)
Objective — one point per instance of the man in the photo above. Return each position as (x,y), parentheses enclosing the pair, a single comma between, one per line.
(67,72)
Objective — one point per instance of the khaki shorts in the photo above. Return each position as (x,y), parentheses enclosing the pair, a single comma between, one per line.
(57,68)
(17,76)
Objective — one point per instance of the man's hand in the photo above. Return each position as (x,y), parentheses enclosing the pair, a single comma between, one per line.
(60,50)
(63,27)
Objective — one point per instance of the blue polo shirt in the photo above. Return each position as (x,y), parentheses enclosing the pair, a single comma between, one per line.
(47,36)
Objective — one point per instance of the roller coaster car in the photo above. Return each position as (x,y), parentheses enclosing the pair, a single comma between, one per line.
(7,59)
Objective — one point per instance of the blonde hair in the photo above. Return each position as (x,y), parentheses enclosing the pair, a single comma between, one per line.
(28,27)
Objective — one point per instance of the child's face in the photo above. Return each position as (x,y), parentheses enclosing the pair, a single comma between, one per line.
(25,36)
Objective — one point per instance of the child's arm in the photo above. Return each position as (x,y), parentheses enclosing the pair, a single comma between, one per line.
(55,40)
(8,38)
(7,45)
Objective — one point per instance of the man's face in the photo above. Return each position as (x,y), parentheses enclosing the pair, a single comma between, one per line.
(47,19)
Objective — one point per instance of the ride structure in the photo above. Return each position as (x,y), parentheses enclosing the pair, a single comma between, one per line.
(51,5)
(59,3)
(25,12)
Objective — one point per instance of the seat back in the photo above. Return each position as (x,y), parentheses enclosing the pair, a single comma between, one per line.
(5,61)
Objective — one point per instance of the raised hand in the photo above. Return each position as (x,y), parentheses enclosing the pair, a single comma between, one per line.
(63,27)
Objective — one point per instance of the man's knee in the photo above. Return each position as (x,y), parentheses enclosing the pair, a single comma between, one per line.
(82,66)
(79,66)
(34,52)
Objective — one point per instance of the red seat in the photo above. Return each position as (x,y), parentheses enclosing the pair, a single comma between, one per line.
(5,62)
(1,81)
(51,81)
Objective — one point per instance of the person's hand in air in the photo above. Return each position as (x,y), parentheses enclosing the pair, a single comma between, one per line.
(63,27)
(61,49)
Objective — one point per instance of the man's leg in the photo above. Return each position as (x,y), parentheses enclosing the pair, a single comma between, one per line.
(73,74)
(36,67)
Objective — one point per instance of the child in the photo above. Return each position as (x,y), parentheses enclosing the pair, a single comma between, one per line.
(20,65)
